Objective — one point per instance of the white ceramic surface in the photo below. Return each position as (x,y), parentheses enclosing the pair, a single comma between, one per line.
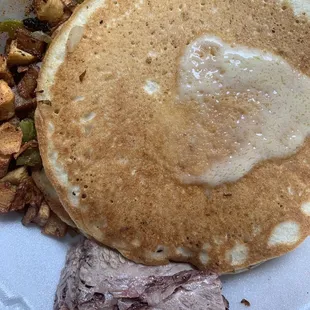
(30,263)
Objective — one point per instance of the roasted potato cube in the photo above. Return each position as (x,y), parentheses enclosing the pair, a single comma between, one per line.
(30,215)
(17,56)
(55,227)
(10,139)
(51,11)
(4,164)
(27,85)
(27,43)
(7,194)
(23,106)
(26,194)
(6,101)
(43,215)
(16,176)
(5,74)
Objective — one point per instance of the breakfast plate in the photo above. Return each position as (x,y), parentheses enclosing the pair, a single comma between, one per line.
(31,262)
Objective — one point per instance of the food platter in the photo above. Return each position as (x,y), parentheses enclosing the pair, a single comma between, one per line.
(31,263)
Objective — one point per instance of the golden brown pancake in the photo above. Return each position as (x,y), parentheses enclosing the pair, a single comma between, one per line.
(115,153)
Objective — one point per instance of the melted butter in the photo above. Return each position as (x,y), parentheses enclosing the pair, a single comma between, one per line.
(269,111)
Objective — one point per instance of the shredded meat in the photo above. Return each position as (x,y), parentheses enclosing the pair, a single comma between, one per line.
(98,278)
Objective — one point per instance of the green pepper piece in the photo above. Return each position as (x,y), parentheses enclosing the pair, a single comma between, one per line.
(31,157)
(10,26)
(28,128)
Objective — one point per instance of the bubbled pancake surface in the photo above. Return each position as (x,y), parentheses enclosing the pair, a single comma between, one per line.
(104,143)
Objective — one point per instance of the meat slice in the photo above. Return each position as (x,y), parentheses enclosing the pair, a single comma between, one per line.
(99,278)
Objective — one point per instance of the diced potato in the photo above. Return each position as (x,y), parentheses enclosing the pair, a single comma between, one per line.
(27,43)
(23,107)
(4,164)
(30,215)
(10,139)
(55,227)
(6,101)
(51,11)
(5,74)
(28,84)
(43,215)
(26,194)
(19,57)
(16,176)
(7,195)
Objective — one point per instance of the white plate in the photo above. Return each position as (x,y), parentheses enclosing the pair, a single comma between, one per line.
(30,263)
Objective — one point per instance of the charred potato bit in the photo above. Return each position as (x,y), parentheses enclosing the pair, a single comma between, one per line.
(10,139)
(4,164)
(26,42)
(51,11)
(30,215)
(23,106)
(27,86)
(26,193)
(18,57)
(5,74)
(6,101)
(43,215)
(16,176)
(7,194)
(55,227)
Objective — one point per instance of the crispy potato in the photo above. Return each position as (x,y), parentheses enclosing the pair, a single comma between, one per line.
(43,215)
(55,227)
(26,194)
(19,57)
(30,215)
(23,106)
(7,98)
(51,11)
(4,164)
(27,43)
(16,176)
(27,85)
(10,139)
(5,74)
(7,194)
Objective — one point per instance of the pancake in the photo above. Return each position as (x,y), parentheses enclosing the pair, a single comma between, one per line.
(147,162)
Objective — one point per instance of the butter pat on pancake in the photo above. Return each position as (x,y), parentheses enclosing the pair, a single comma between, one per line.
(142,151)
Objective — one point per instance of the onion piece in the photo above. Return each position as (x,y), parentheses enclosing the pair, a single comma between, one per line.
(41,36)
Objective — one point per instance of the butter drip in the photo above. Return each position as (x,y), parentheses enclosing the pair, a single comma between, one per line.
(271,103)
